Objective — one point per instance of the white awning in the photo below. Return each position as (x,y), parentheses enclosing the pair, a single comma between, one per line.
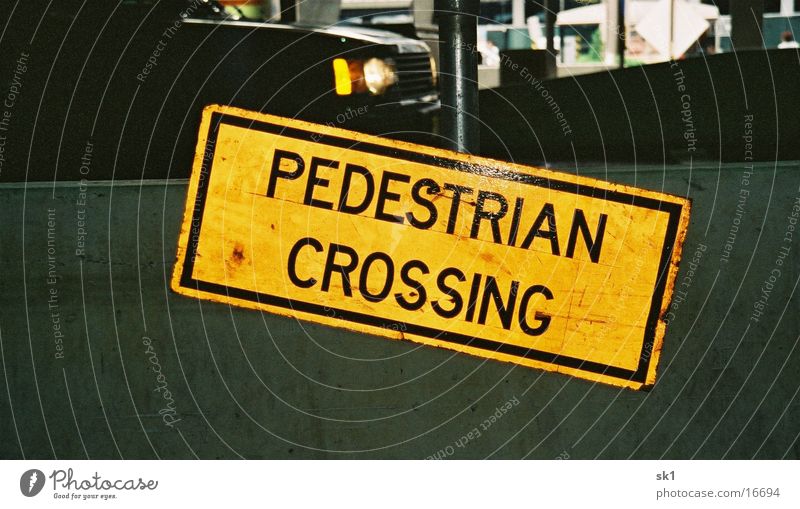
(587,15)
(688,26)
(375,4)
(635,11)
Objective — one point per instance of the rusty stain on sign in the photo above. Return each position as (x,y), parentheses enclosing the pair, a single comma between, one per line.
(493,259)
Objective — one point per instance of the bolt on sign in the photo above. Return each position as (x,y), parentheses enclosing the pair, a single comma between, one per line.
(493,259)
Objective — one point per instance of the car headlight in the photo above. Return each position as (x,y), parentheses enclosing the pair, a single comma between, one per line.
(374,75)
(378,75)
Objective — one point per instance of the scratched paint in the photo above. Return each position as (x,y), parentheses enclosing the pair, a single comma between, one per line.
(493,259)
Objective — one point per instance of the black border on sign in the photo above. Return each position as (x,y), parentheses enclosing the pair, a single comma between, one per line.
(639,375)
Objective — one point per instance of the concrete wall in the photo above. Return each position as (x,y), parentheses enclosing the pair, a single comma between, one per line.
(663,113)
(246,384)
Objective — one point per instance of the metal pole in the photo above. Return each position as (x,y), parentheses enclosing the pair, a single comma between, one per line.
(621,32)
(458,61)
(747,18)
(551,11)
(518,13)
(610,46)
(288,11)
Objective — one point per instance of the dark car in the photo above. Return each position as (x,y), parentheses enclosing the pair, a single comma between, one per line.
(131,79)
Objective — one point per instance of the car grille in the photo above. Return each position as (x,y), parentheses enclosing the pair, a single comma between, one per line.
(414,74)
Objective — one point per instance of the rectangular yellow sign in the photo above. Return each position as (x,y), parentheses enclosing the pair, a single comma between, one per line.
(494,259)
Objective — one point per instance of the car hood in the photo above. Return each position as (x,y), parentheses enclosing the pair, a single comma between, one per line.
(375,36)
(368,35)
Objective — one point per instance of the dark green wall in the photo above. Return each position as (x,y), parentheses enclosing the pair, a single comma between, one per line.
(637,114)
(247,384)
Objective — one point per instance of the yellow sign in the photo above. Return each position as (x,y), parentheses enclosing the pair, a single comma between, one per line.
(494,259)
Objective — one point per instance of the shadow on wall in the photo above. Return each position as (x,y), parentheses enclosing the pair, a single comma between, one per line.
(729,107)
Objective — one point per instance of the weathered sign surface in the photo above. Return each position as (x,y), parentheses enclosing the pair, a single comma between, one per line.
(494,259)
